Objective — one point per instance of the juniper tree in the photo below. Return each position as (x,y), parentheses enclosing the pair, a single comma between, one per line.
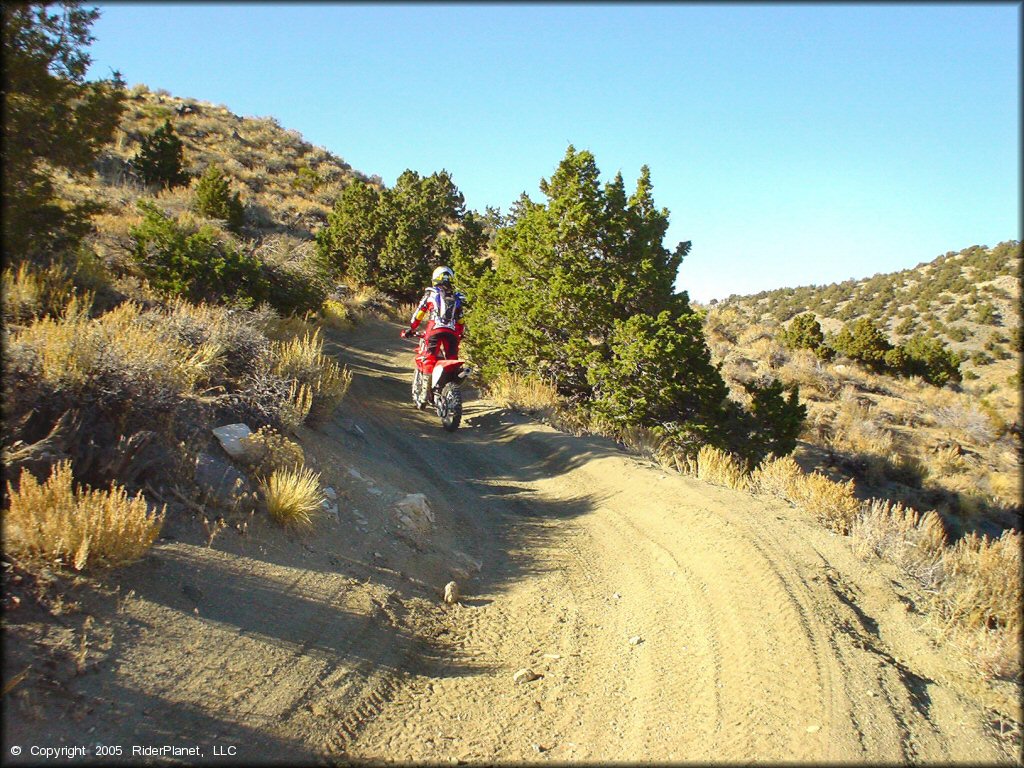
(53,119)
(160,158)
(215,200)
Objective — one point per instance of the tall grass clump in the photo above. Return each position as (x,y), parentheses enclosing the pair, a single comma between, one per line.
(529,394)
(293,496)
(54,522)
(834,504)
(717,467)
(303,361)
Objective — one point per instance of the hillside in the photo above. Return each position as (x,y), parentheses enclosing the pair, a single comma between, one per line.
(954,448)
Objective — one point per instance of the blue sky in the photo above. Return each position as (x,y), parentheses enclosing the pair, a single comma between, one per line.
(793,144)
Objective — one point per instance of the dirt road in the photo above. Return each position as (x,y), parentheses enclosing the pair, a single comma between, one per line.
(663,619)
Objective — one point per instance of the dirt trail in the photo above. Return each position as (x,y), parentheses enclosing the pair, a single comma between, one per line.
(666,619)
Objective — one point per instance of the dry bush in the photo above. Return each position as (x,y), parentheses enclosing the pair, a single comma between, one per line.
(529,394)
(336,314)
(80,528)
(127,354)
(982,586)
(238,335)
(834,504)
(294,408)
(267,450)
(898,534)
(293,496)
(776,477)
(810,373)
(29,293)
(968,419)
(720,468)
(302,360)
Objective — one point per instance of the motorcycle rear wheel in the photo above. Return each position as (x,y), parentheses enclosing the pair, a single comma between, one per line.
(451,399)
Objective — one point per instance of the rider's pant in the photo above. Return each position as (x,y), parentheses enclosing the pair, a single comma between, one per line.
(440,343)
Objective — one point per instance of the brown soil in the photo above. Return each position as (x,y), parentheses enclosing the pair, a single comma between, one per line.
(665,619)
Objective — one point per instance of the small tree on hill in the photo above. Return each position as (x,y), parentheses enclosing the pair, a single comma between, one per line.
(864,342)
(805,333)
(160,158)
(215,199)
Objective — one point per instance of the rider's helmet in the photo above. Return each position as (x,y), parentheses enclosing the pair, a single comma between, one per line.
(442,275)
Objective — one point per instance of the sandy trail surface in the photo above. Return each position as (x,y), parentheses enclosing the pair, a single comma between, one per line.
(661,618)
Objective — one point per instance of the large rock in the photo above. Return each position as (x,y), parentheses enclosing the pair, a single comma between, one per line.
(230,436)
(220,482)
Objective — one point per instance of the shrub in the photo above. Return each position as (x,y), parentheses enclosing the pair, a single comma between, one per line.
(804,333)
(302,360)
(161,157)
(717,467)
(197,265)
(215,200)
(293,496)
(80,528)
(929,359)
(529,394)
(267,451)
(864,342)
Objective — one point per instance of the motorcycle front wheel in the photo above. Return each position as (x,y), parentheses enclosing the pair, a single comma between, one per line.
(419,389)
(451,407)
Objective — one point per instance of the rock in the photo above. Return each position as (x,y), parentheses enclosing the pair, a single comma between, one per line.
(451,593)
(415,514)
(552,655)
(524,675)
(330,493)
(635,640)
(813,728)
(616,596)
(230,437)
(220,481)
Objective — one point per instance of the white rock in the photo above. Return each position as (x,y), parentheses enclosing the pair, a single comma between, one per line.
(330,493)
(415,514)
(451,592)
(635,640)
(524,675)
(813,728)
(230,436)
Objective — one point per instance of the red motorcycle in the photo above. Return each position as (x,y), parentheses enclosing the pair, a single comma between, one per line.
(444,388)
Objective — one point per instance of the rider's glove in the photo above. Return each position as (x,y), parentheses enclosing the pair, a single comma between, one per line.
(406,333)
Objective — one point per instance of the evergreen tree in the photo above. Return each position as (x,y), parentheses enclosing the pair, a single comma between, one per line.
(215,200)
(160,158)
(53,118)
(864,342)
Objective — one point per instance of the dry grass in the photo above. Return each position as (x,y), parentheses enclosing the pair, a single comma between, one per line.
(267,451)
(834,504)
(29,293)
(302,360)
(293,496)
(524,393)
(72,350)
(336,314)
(54,522)
(914,542)
(720,468)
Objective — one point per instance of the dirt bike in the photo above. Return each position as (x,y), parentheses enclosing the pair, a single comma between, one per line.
(444,390)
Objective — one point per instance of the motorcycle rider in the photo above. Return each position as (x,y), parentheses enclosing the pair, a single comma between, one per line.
(442,305)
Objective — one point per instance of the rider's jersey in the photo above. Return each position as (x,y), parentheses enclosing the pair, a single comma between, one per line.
(443,310)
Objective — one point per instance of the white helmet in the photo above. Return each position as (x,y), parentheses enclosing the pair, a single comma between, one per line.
(442,275)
